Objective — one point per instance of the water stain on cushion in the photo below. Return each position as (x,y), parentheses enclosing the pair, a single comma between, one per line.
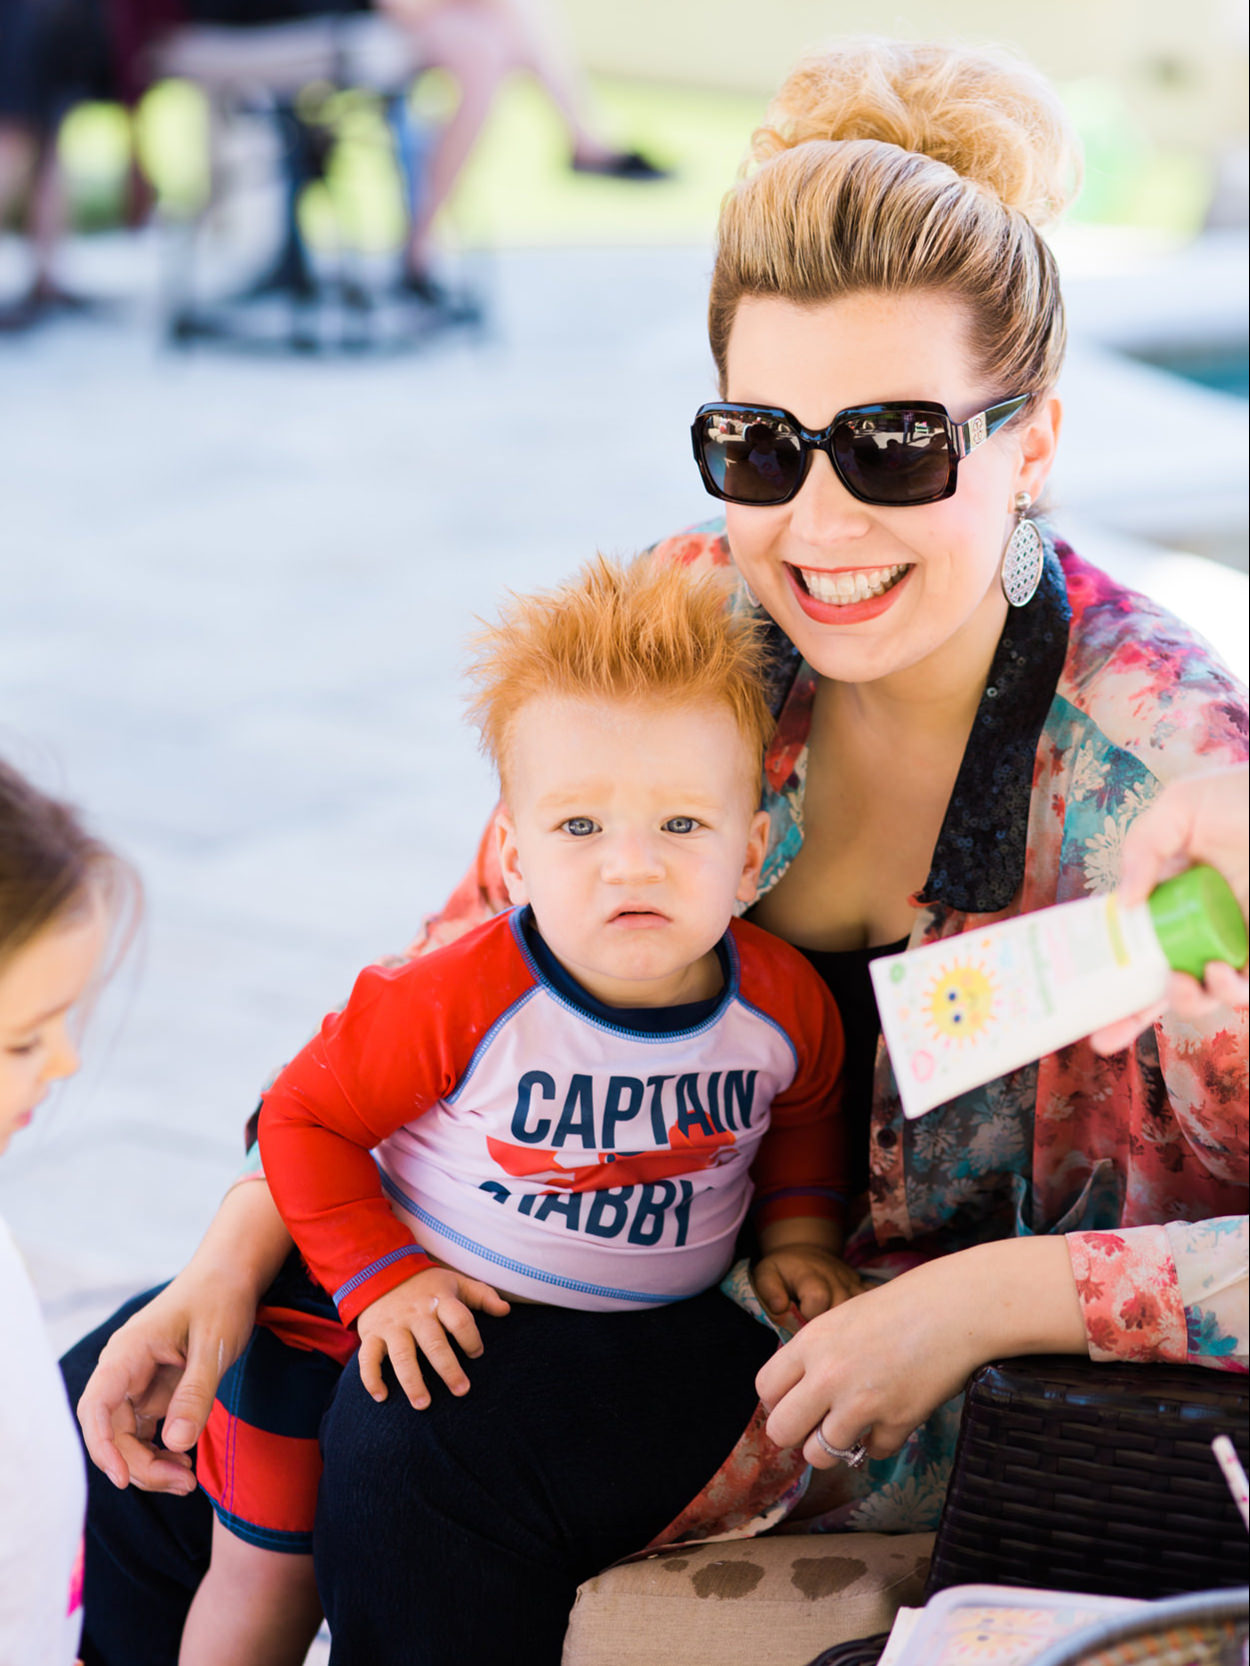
(824,1576)
(674,1564)
(727,1579)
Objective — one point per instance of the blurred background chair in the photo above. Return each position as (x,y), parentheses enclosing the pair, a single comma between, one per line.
(288,74)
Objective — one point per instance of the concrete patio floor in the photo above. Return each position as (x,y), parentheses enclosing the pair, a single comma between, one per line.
(234,600)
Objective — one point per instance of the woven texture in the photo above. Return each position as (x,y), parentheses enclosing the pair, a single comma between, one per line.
(1080,1477)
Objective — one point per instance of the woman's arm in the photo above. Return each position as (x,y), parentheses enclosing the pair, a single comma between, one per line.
(167,1361)
(878,1365)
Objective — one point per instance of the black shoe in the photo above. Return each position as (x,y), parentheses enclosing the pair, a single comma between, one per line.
(622,164)
(46,300)
(451,306)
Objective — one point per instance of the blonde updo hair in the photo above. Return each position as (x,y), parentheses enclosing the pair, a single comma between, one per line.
(885,166)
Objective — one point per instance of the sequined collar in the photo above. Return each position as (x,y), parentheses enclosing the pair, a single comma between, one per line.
(978,861)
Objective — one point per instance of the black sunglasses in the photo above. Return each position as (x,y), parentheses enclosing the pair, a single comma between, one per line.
(891,454)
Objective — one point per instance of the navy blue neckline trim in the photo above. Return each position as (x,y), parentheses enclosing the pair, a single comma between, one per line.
(666,1021)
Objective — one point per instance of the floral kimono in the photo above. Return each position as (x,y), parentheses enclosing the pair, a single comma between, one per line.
(1095,698)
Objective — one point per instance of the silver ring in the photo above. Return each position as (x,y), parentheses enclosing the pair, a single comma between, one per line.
(851,1456)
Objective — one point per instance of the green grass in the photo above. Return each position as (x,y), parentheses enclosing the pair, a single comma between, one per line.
(518,190)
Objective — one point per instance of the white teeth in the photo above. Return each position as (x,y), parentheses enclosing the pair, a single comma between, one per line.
(853,586)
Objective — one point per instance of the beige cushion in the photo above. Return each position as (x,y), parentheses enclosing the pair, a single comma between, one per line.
(775,1601)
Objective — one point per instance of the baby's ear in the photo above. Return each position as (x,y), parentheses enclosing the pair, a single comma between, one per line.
(753,862)
(509,857)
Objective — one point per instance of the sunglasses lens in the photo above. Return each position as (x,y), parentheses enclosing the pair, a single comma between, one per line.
(895,457)
(751,458)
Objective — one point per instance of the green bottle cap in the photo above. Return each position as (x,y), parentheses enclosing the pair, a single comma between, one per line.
(1197,919)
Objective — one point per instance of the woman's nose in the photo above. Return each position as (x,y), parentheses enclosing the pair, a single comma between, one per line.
(823,510)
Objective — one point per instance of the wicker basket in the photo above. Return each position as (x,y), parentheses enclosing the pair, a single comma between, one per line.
(1081,1477)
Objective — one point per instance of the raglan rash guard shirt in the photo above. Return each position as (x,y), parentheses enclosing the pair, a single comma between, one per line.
(529,1137)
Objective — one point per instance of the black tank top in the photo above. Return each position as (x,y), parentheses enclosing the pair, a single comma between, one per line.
(845,974)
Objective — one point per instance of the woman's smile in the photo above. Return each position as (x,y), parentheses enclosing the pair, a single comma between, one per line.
(846,596)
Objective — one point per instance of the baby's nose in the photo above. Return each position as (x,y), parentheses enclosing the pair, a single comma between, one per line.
(631,858)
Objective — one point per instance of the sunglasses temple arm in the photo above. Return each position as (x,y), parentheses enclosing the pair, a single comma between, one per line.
(969,435)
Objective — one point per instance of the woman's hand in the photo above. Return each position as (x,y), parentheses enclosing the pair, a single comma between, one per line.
(874,1368)
(1202,818)
(810,1276)
(167,1360)
(419,1315)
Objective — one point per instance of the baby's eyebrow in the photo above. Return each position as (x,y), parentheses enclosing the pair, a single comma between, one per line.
(580,796)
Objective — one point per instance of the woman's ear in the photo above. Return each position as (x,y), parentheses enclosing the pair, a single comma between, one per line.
(509,857)
(753,865)
(1036,442)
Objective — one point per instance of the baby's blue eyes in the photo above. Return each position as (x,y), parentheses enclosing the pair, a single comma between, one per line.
(581,827)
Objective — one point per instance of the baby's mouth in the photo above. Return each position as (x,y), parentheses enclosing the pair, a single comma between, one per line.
(858,584)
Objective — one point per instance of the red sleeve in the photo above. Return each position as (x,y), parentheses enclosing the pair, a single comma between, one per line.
(402,1042)
(801,1166)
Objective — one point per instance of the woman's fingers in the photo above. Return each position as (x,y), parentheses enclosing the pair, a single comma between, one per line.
(208,1359)
(1114,1038)
(777,1376)
(105,1398)
(1187,999)
(1227,986)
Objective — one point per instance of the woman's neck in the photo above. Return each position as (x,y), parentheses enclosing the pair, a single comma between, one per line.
(935,700)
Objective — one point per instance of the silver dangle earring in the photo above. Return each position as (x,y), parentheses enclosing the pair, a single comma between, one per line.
(1023,558)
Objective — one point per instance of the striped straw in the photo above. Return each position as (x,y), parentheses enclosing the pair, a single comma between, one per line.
(1234,1474)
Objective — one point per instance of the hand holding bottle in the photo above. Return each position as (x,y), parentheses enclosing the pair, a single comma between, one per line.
(1204,818)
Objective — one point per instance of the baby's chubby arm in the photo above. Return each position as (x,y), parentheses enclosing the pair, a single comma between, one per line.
(417,1316)
(801,1265)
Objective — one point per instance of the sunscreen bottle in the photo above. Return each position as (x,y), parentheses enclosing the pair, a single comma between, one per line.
(959,1012)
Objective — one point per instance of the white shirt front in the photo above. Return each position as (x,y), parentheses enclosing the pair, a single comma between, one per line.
(43,1491)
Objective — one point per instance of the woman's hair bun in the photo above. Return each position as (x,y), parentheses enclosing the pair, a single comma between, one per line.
(990,117)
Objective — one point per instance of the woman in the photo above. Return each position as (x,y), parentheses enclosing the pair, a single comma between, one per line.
(962,735)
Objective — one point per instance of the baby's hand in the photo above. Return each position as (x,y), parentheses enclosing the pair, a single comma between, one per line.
(811,1277)
(420,1314)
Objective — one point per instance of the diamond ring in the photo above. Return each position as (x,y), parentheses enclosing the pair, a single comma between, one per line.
(851,1456)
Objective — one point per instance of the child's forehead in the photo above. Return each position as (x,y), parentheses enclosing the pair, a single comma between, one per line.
(539,725)
(599,740)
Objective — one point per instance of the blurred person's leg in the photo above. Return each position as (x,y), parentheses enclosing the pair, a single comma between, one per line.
(53,55)
(479,43)
(19,152)
(474,42)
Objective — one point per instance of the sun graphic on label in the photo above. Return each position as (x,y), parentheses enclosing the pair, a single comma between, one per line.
(959,1003)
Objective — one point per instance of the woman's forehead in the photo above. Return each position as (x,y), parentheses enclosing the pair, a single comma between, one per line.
(860,349)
